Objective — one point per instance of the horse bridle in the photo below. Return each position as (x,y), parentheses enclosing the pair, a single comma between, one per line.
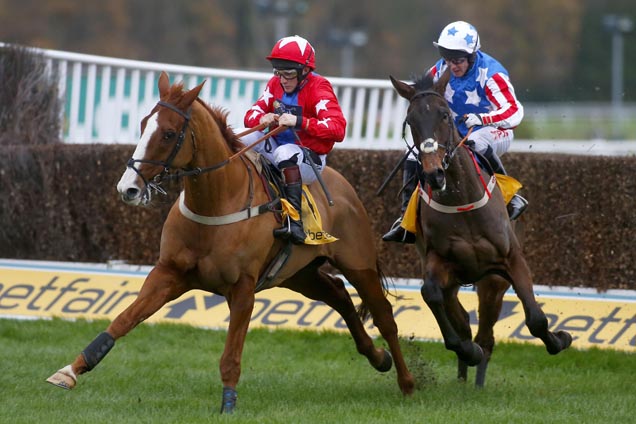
(155,184)
(429,146)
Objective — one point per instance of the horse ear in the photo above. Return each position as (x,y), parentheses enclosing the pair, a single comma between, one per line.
(440,86)
(164,84)
(191,95)
(405,90)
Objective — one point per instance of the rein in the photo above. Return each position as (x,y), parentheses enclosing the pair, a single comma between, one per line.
(198,171)
(167,164)
(449,156)
(246,213)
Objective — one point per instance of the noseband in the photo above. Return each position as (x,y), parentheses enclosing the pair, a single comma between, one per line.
(155,184)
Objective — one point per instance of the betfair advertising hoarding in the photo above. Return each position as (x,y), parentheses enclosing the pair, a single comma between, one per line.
(30,289)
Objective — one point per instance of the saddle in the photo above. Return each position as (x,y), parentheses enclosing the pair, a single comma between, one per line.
(273,181)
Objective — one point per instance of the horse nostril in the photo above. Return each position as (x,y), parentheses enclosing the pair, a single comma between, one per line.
(132,192)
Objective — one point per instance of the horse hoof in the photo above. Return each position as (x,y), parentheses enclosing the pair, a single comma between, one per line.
(566,339)
(386,363)
(559,341)
(64,378)
(475,357)
(229,400)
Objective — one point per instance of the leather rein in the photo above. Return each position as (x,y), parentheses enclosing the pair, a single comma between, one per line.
(247,212)
(155,184)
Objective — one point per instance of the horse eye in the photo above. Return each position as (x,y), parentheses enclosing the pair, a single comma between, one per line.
(169,135)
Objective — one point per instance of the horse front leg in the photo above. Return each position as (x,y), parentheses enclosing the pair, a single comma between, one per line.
(436,293)
(160,287)
(490,292)
(240,300)
(536,321)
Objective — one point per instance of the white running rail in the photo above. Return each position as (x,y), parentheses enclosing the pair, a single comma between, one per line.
(105,99)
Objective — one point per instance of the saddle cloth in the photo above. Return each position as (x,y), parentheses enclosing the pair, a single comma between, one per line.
(508,185)
(312,222)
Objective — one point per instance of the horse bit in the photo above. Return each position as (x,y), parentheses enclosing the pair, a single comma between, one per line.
(155,184)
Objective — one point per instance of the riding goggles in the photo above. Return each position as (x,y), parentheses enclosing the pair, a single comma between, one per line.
(457,61)
(288,74)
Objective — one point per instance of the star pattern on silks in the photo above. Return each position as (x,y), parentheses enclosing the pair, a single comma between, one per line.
(321,105)
(452,31)
(324,122)
(257,110)
(472,98)
(483,76)
(449,93)
(300,42)
(267,95)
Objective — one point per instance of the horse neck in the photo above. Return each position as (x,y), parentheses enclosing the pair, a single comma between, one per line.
(463,181)
(215,192)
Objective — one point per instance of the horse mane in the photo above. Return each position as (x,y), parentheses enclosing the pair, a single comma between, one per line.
(220,114)
(425,82)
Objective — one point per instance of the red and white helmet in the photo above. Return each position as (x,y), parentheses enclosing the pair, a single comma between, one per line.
(458,38)
(293,49)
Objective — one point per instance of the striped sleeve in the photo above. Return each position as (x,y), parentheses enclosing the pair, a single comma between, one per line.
(508,111)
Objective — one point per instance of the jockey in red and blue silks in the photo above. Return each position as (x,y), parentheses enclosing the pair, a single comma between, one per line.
(303,101)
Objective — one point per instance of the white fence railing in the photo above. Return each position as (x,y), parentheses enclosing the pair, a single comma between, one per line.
(105,99)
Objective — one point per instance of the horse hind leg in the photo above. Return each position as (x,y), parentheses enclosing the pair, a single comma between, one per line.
(318,285)
(371,288)
(157,290)
(536,320)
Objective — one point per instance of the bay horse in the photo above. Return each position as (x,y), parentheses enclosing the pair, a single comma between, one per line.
(222,241)
(464,236)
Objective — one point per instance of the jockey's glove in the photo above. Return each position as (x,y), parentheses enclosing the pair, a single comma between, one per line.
(288,120)
(473,120)
(267,119)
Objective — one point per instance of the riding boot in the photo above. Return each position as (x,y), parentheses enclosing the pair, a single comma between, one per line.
(409,181)
(517,204)
(293,189)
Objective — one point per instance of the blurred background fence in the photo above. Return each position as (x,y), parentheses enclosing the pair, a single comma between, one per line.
(105,98)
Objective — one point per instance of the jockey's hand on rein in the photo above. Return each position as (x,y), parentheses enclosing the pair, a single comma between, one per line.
(268,119)
(472,120)
(287,119)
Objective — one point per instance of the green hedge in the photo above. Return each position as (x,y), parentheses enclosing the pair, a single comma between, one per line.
(59,202)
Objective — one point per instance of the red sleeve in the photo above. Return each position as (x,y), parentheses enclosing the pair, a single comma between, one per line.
(323,119)
(263,105)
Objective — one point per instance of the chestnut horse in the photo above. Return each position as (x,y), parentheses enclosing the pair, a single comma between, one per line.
(464,235)
(223,242)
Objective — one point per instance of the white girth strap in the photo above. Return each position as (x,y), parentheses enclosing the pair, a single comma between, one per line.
(216,220)
(463,208)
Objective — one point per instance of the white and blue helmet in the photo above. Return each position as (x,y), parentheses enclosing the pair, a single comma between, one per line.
(458,39)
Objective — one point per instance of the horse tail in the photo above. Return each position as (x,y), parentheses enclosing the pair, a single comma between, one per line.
(363,310)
